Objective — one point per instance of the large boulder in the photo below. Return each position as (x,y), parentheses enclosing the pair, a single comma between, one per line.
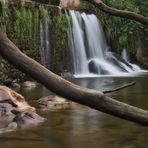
(96,67)
(10,97)
(93,68)
(15,111)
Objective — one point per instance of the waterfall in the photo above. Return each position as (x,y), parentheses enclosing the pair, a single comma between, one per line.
(91,55)
(124,55)
(79,53)
(44,44)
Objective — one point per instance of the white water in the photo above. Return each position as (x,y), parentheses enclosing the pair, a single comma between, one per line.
(44,44)
(124,55)
(91,55)
(79,56)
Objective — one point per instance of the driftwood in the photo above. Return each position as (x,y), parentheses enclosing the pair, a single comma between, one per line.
(92,98)
(120,13)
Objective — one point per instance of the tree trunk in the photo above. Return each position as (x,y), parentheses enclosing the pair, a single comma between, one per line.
(120,13)
(92,98)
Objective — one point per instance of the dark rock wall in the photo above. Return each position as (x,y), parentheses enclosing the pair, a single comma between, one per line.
(21,22)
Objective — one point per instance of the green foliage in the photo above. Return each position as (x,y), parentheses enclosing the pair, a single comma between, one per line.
(45,15)
(55,2)
(123,4)
(3,63)
(26,29)
(61,22)
(4,3)
(59,43)
(4,15)
(123,32)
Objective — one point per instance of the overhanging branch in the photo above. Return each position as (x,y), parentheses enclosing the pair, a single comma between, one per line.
(119,13)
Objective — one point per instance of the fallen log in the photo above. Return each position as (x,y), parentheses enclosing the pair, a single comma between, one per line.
(119,13)
(89,97)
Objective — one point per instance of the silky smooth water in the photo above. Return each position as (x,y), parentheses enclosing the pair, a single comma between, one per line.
(82,127)
(91,54)
(44,44)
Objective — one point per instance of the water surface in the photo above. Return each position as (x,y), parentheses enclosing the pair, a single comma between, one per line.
(82,127)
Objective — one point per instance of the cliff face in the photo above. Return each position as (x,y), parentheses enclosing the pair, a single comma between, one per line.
(142,52)
(22,24)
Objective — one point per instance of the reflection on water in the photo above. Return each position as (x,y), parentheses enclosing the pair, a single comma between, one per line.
(80,126)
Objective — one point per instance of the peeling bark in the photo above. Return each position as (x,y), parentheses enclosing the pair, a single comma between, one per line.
(92,98)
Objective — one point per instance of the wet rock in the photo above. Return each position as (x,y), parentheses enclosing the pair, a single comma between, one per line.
(53,102)
(15,85)
(93,67)
(142,52)
(11,127)
(16,100)
(15,111)
(27,118)
(66,74)
(5,109)
(96,68)
(29,84)
(115,59)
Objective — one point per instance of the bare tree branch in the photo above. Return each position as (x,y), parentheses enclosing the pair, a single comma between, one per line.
(119,13)
(119,88)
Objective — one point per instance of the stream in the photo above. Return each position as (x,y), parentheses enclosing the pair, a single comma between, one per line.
(82,127)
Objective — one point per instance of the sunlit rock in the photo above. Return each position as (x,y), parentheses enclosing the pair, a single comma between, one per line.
(15,111)
(70,3)
(14,99)
(27,118)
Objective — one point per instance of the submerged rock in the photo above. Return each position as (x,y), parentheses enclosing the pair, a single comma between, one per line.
(96,68)
(27,118)
(11,127)
(29,84)
(15,85)
(53,102)
(15,111)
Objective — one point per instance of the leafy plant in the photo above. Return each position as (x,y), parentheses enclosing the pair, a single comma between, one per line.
(124,32)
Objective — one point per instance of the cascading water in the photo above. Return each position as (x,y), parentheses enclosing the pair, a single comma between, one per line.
(124,55)
(44,44)
(90,51)
(79,56)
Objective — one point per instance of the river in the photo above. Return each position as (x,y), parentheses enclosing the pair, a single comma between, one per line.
(82,127)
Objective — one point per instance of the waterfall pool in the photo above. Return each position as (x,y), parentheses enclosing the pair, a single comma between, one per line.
(80,126)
